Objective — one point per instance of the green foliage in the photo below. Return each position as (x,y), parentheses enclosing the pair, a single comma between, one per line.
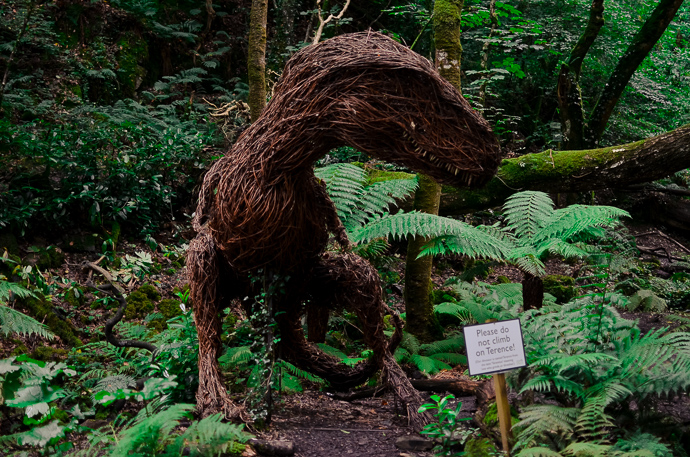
(13,321)
(448,430)
(432,357)
(533,230)
(595,362)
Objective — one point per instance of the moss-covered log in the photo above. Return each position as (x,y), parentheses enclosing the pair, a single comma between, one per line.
(577,171)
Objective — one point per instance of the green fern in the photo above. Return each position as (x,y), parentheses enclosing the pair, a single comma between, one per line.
(13,321)
(448,233)
(432,357)
(356,202)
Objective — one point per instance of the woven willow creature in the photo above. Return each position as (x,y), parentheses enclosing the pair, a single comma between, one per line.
(261,208)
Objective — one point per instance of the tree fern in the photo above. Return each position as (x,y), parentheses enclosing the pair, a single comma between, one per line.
(526,213)
(462,237)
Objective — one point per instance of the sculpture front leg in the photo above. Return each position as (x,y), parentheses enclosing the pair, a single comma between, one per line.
(204,265)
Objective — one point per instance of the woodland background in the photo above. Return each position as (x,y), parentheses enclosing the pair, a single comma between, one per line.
(110,112)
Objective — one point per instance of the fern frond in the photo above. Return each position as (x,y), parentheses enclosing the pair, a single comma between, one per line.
(543,423)
(13,321)
(593,422)
(376,199)
(235,356)
(581,361)
(465,239)
(344,185)
(411,343)
(427,364)
(526,213)
(301,373)
(568,222)
(451,358)
(213,436)
(147,429)
(455,310)
(448,345)
(539,452)
(330,350)
(587,450)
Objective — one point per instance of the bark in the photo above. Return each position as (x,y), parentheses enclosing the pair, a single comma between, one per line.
(577,171)
(256,59)
(641,45)
(419,309)
(532,292)
(419,312)
(568,91)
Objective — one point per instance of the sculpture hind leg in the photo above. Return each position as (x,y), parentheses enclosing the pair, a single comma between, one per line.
(350,282)
(205,266)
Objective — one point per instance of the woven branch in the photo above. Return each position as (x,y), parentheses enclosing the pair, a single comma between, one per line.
(261,206)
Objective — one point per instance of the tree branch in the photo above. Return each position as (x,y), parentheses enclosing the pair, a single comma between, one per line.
(322,22)
(641,45)
(568,89)
(576,171)
(113,290)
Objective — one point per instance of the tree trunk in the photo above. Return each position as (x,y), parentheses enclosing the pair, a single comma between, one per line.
(419,311)
(577,171)
(532,292)
(420,320)
(568,91)
(256,59)
(642,43)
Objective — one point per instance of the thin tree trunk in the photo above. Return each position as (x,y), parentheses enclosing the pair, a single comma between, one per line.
(256,60)
(419,312)
(420,320)
(532,292)
(568,90)
(641,45)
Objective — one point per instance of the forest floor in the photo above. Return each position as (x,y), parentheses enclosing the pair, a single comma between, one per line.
(318,424)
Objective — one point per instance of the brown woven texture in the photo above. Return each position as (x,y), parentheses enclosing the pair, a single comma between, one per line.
(261,206)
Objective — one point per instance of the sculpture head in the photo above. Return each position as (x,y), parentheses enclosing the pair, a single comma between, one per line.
(367,91)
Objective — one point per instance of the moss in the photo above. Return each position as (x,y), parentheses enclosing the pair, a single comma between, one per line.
(480,447)
(62,416)
(43,311)
(502,280)
(169,308)
(170,271)
(48,354)
(138,305)
(491,417)
(150,291)
(21,349)
(375,176)
(75,297)
(157,325)
(8,242)
(560,286)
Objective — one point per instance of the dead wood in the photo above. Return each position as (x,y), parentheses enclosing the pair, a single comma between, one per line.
(113,290)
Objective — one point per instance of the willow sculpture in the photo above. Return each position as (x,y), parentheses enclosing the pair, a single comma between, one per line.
(262,209)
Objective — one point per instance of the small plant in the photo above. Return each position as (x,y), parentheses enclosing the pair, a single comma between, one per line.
(447,430)
(13,321)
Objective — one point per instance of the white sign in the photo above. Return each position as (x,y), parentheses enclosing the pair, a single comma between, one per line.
(494,347)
